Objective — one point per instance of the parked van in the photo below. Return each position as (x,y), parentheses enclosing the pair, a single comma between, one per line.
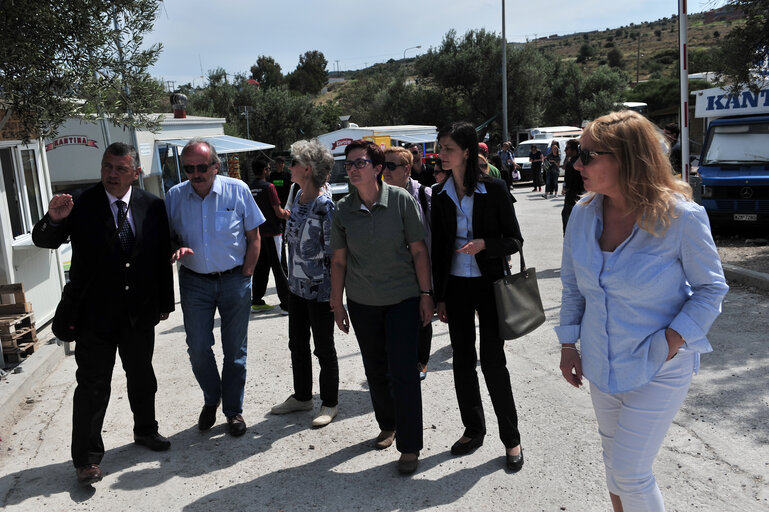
(523,150)
(734,163)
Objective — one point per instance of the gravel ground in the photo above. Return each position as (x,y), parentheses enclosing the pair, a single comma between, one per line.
(746,252)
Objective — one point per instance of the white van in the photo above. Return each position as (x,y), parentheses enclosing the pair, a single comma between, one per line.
(524,149)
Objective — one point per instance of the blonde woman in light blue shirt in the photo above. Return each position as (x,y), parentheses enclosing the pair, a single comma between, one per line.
(642,284)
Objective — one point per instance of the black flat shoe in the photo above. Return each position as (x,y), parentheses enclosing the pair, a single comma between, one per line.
(460,448)
(514,462)
(154,442)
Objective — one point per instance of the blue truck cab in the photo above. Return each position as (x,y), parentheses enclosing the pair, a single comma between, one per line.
(734,164)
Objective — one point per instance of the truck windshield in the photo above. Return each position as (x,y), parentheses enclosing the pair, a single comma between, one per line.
(738,144)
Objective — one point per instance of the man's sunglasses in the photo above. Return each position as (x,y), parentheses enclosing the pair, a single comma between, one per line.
(200,168)
(360,163)
(586,156)
(483,165)
(392,165)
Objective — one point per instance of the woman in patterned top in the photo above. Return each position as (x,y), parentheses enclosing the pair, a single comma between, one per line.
(308,235)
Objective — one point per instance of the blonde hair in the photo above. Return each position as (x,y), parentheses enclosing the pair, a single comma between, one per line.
(405,156)
(645,175)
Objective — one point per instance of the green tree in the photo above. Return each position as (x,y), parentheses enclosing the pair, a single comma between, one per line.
(59,59)
(662,93)
(578,96)
(468,66)
(615,58)
(267,72)
(310,74)
(586,52)
(745,48)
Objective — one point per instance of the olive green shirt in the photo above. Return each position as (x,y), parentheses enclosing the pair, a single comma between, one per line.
(380,269)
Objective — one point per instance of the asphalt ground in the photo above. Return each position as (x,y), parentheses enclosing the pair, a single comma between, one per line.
(715,457)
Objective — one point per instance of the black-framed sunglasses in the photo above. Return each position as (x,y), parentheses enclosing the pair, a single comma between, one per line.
(200,168)
(586,156)
(391,166)
(360,163)
(483,165)
(295,161)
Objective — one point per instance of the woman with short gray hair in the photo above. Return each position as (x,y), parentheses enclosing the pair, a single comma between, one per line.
(308,238)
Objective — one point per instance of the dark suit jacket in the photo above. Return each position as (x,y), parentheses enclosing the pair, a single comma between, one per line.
(493,220)
(132,288)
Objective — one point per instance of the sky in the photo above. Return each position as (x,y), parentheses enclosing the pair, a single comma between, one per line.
(200,36)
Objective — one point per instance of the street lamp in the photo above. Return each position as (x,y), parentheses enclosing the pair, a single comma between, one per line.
(244,112)
(411,48)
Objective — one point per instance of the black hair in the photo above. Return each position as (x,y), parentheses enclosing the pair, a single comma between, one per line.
(258,166)
(465,136)
(122,149)
(373,151)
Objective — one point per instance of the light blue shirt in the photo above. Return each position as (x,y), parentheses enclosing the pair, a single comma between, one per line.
(618,307)
(463,264)
(215,226)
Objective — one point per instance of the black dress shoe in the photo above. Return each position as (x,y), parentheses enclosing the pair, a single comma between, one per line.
(88,474)
(236,425)
(207,417)
(514,462)
(460,448)
(408,466)
(154,442)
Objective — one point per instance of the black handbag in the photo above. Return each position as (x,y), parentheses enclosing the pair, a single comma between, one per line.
(519,306)
(66,321)
(67,317)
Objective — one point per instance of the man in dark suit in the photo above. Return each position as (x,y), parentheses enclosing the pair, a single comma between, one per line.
(121,262)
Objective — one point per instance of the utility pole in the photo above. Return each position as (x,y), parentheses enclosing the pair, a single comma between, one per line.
(505,133)
(683,76)
(638,58)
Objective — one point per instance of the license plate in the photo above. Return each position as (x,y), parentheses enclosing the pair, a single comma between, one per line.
(746,216)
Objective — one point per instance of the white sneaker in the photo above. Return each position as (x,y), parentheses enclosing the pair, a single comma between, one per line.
(291,405)
(325,416)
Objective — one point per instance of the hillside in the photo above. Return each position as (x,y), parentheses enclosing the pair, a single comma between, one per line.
(655,41)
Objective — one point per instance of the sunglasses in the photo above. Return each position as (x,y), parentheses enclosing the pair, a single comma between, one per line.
(200,168)
(482,165)
(391,166)
(295,161)
(360,163)
(586,156)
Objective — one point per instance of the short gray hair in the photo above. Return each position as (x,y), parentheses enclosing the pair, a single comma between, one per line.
(198,140)
(315,155)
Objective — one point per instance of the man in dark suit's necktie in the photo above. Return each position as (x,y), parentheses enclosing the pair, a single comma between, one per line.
(125,234)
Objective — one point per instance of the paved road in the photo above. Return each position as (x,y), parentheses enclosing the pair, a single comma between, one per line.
(716,456)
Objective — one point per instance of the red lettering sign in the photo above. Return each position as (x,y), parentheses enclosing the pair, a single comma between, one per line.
(71,140)
(340,143)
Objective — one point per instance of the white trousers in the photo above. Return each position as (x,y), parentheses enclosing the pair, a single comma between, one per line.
(633,425)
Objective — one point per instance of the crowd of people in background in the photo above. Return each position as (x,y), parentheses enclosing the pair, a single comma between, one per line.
(412,240)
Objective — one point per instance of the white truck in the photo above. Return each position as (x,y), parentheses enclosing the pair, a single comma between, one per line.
(384,136)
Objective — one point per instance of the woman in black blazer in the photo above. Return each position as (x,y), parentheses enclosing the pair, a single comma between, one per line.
(474,229)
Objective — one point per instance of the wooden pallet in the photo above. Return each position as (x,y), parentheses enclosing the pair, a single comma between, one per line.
(17,324)
(21,352)
(12,300)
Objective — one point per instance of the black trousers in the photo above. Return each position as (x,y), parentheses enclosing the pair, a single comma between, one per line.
(305,315)
(465,296)
(268,259)
(387,336)
(95,357)
(425,343)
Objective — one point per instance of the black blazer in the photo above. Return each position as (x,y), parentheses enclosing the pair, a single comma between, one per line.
(127,290)
(493,220)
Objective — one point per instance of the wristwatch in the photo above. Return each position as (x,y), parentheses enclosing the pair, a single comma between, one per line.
(426,292)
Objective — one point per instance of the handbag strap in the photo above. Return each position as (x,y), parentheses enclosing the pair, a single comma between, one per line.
(520,254)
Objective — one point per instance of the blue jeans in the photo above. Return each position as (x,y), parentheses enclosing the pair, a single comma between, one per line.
(201,295)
